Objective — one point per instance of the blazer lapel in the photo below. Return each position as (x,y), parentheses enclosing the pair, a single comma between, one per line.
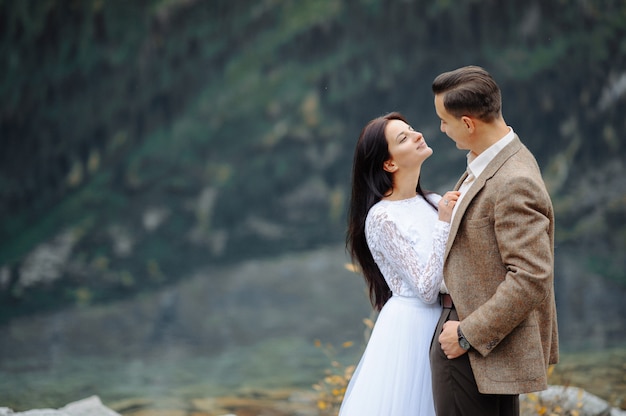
(460,181)
(478,184)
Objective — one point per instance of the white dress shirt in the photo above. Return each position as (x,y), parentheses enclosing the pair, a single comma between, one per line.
(477,164)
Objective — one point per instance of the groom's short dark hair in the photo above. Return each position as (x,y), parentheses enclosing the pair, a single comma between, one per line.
(469,91)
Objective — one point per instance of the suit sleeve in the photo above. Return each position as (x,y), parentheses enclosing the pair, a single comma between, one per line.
(522,231)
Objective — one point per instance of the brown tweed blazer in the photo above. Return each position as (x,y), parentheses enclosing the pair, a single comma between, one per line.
(499,270)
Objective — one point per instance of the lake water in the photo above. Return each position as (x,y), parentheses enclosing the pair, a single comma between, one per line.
(228,330)
(220,331)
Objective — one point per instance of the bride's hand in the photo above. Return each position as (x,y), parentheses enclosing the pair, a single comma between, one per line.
(446,205)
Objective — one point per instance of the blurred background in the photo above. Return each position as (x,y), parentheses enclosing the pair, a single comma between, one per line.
(174,177)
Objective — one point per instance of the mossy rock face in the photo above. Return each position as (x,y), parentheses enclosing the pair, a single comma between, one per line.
(239,120)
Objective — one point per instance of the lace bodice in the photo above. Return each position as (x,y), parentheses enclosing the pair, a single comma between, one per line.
(408,241)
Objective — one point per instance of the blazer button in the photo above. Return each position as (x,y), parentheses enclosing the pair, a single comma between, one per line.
(491,344)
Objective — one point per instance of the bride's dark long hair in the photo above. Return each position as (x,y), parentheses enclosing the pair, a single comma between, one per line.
(370,183)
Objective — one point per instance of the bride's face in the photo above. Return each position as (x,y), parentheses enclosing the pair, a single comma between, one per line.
(407,147)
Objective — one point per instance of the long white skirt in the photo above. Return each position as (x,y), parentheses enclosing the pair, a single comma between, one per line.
(393,375)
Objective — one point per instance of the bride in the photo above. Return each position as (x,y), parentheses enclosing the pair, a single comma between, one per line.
(397,234)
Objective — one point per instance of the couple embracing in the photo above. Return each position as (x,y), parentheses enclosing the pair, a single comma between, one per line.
(464,282)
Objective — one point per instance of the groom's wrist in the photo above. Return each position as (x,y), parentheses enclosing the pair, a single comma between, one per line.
(463,342)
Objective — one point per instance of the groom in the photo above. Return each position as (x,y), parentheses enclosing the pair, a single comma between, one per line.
(497,333)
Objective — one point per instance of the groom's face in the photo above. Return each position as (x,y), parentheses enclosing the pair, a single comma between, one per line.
(452,126)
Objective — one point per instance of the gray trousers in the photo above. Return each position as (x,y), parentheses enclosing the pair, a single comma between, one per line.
(454,387)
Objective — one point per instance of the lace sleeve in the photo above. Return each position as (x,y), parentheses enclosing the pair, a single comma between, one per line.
(402,261)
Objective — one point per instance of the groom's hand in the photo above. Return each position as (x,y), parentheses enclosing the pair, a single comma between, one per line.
(449,340)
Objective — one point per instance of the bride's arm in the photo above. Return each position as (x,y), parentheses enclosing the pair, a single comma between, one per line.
(423,271)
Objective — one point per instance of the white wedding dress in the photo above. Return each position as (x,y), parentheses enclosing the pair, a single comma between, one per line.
(407,241)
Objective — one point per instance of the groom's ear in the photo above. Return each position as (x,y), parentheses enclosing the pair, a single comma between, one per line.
(469,123)
(390,166)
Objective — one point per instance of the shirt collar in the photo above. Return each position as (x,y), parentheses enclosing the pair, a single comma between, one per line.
(477,164)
